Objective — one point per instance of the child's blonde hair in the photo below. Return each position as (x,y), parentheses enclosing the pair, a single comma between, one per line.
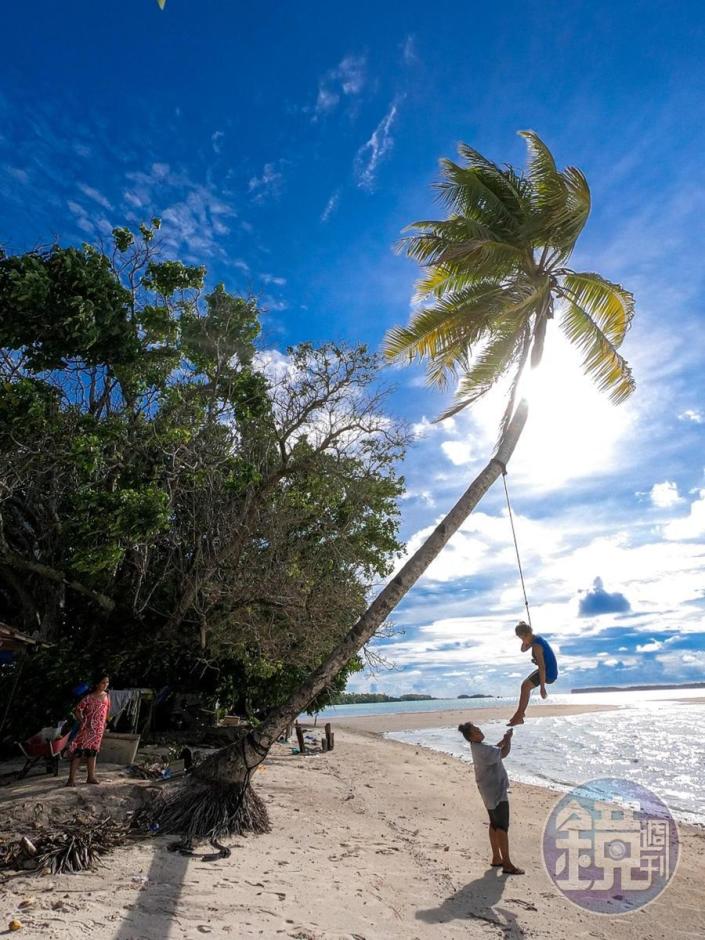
(522,629)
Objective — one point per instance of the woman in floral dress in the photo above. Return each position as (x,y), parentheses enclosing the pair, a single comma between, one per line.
(92,713)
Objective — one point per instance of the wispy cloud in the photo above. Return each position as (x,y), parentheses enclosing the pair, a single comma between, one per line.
(271,279)
(331,206)
(692,414)
(408,51)
(95,195)
(195,218)
(22,176)
(269,185)
(346,80)
(371,154)
(216,138)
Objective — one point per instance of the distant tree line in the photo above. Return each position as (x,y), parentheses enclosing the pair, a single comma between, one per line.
(363,698)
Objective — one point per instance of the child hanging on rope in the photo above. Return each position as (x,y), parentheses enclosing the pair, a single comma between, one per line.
(544,657)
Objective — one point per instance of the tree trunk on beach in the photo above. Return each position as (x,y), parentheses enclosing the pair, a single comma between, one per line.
(218,799)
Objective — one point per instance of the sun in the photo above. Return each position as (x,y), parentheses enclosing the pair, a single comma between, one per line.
(573,431)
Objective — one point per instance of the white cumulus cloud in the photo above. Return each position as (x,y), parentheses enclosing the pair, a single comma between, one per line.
(663,495)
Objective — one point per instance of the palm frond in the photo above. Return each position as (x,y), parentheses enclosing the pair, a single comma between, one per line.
(465,192)
(608,304)
(502,181)
(502,349)
(465,313)
(514,386)
(547,184)
(601,361)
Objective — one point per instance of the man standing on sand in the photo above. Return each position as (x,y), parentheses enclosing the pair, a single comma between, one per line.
(493,783)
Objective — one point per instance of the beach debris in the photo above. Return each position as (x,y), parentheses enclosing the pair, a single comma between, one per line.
(15,924)
(527,905)
(74,846)
(28,902)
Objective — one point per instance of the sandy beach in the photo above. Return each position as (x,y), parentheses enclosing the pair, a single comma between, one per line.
(374,840)
(409,721)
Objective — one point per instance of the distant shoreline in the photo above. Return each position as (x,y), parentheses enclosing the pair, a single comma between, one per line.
(638,688)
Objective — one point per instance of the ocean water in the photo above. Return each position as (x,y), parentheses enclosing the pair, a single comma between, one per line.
(657,742)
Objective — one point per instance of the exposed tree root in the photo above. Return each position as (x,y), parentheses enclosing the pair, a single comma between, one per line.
(199,811)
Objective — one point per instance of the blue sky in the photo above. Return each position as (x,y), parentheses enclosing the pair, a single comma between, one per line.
(287,145)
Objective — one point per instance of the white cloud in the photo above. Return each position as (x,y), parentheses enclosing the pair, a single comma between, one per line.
(408,51)
(690,527)
(331,206)
(95,195)
(22,176)
(692,414)
(664,495)
(271,279)
(195,217)
(458,452)
(649,647)
(216,138)
(424,427)
(268,185)
(347,79)
(371,154)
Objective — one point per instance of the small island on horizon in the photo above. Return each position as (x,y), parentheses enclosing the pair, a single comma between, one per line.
(367,698)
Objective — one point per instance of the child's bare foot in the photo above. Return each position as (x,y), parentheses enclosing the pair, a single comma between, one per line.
(512,870)
(516,720)
(93,780)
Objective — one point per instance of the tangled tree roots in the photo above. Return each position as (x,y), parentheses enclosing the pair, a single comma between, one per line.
(199,811)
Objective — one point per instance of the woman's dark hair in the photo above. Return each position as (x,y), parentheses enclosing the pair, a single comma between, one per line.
(98,676)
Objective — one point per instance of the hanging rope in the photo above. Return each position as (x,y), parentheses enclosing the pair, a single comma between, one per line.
(516,544)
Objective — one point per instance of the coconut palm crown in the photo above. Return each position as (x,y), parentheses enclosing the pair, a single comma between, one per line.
(496,269)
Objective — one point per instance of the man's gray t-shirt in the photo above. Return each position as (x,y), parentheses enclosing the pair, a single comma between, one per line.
(490,774)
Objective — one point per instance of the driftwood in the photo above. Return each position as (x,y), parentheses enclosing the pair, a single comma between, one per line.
(75,846)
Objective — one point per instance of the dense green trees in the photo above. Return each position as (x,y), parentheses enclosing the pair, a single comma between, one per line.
(171,507)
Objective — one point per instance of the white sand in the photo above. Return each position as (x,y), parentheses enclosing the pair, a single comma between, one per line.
(374,840)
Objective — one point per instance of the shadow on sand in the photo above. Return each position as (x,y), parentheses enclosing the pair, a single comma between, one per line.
(154,911)
(478,900)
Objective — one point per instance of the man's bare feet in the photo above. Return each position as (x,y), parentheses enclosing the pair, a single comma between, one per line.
(515,720)
(512,870)
(70,783)
(93,780)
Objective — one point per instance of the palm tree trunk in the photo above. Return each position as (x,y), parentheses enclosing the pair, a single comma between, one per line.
(390,596)
(229,769)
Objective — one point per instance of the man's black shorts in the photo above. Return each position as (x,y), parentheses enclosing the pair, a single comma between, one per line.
(499,816)
(535,679)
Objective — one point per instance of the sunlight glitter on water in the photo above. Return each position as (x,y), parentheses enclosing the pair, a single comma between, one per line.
(658,743)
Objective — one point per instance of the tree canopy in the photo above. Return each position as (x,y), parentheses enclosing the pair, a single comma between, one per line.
(176,506)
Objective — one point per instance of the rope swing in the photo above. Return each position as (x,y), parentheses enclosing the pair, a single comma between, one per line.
(514,536)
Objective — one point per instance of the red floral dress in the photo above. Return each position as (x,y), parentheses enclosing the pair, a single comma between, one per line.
(93,713)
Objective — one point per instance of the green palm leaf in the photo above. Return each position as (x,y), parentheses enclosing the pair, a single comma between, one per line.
(493,271)
(501,350)
(601,360)
(608,304)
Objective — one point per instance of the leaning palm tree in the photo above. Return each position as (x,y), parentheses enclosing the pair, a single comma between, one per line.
(496,272)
